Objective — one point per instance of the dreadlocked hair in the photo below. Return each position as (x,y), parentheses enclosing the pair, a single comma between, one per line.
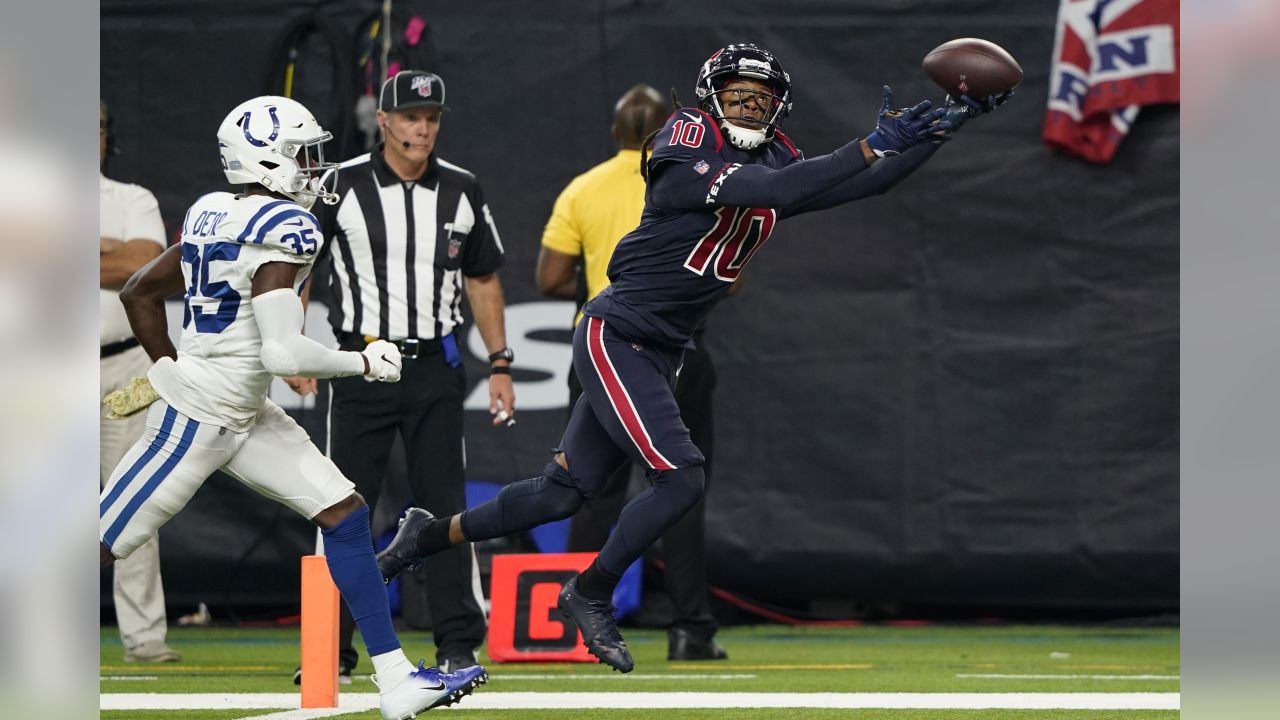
(644,146)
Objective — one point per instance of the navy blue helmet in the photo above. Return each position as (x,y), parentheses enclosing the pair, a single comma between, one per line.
(745,61)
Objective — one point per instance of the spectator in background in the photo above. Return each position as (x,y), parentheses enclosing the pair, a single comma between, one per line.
(589,218)
(409,234)
(131,235)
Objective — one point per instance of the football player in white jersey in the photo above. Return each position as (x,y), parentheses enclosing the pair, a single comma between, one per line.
(242,261)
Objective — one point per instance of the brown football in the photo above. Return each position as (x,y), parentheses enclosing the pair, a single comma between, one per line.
(973,67)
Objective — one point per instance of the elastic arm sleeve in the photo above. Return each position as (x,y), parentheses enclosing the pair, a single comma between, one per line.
(879,179)
(286,351)
(758,185)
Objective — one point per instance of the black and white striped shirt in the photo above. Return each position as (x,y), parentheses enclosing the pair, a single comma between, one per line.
(399,249)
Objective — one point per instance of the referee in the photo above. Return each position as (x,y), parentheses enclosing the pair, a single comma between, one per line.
(409,234)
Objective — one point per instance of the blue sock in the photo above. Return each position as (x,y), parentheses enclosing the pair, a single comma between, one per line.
(348,548)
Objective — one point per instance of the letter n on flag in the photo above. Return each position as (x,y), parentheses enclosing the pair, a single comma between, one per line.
(1110,58)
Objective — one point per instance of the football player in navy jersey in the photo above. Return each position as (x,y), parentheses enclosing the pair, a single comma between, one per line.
(720,177)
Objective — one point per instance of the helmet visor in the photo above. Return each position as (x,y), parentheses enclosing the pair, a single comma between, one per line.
(750,108)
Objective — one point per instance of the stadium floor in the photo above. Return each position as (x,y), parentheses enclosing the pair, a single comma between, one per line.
(871,673)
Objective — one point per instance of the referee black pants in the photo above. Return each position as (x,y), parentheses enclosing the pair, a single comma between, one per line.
(425,407)
(684,544)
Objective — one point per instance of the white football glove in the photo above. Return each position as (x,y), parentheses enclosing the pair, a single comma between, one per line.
(384,361)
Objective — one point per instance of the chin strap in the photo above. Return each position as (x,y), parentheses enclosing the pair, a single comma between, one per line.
(742,138)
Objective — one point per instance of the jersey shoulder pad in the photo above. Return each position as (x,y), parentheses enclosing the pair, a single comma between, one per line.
(689,133)
(788,146)
(281,225)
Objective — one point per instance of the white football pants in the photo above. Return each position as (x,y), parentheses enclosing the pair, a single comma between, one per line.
(163,470)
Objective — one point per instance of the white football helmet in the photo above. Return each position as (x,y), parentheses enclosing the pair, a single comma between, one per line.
(276,142)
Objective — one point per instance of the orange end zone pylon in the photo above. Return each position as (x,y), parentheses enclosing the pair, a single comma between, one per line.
(319,634)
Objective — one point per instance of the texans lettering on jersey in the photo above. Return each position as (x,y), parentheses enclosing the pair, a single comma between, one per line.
(218,377)
(691,246)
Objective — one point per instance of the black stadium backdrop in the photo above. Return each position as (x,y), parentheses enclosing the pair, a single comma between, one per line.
(960,395)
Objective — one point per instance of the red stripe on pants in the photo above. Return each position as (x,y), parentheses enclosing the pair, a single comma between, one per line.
(622,405)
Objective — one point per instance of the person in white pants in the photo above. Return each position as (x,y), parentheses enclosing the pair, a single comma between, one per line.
(132,234)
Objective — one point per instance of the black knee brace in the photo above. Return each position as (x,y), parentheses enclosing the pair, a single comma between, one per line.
(524,505)
(558,494)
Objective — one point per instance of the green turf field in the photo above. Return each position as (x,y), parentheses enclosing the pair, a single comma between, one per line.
(772,714)
(932,659)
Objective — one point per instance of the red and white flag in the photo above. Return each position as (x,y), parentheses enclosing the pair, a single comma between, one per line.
(1110,58)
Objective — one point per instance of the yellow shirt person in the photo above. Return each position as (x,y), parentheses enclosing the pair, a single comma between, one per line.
(597,208)
(593,213)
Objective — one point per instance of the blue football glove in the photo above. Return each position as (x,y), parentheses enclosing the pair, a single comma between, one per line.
(898,130)
(960,110)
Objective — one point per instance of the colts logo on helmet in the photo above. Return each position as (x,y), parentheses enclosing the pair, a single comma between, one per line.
(422,85)
(275,128)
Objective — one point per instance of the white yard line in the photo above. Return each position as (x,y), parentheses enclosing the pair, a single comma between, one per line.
(354,702)
(993,676)
(624,678)
(304,714)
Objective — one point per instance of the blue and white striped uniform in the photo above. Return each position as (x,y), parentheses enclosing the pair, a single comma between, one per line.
(218,377)
(214,413)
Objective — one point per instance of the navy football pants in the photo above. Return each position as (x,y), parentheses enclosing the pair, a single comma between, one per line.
(627,410)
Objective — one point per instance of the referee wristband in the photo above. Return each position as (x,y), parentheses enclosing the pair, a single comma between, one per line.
(500,370)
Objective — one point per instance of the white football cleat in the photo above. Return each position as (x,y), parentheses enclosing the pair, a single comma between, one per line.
(426,688)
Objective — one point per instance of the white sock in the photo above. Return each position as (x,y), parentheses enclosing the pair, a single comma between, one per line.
(391,668)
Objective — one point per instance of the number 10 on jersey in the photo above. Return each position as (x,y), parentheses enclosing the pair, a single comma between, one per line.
(685,133)
(730,243)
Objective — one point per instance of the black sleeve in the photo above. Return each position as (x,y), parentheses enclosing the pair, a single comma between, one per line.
(482,252)
(686,185)
(877,180)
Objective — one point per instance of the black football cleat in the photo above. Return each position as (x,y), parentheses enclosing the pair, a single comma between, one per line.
(595,620)
(402,554)
(684,644)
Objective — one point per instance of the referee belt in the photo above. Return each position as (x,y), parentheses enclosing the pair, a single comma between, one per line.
(410,348)
(115,348)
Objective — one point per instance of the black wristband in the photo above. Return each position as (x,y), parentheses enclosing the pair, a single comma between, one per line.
(500,370)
